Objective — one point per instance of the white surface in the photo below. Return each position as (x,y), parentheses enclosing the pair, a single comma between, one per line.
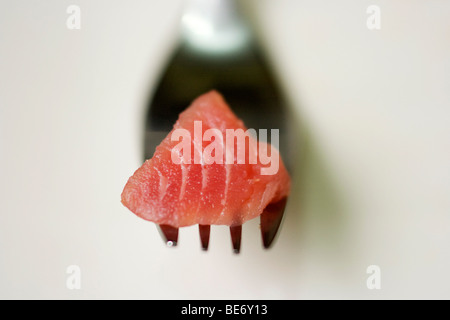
(375,185)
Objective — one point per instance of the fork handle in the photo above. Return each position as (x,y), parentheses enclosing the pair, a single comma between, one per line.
(214,25)
(218,13)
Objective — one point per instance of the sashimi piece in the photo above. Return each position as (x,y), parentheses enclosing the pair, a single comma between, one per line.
(192,190)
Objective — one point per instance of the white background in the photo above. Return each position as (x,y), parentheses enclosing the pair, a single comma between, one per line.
(373,183)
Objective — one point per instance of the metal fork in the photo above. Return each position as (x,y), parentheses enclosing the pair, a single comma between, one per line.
(218,50)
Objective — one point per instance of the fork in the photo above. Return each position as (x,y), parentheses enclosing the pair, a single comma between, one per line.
(218,50)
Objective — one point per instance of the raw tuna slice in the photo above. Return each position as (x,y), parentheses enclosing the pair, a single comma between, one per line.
(217,182)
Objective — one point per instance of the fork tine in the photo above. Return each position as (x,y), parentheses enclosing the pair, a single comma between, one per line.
(236,232)
(271,220)
(169,234)
(204,231)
